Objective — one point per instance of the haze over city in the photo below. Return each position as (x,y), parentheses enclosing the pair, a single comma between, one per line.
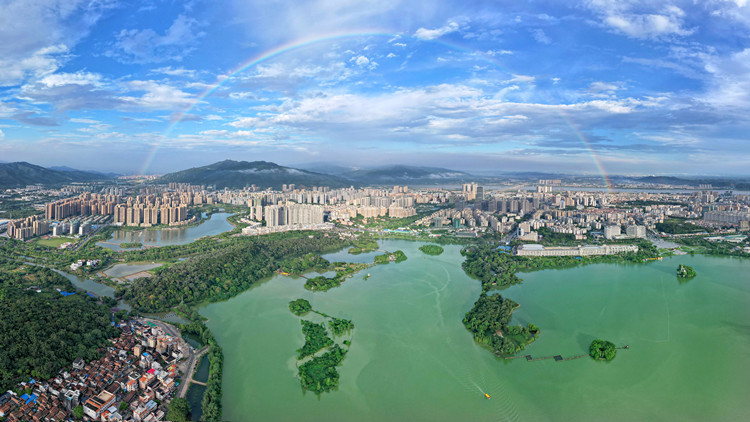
(626,87)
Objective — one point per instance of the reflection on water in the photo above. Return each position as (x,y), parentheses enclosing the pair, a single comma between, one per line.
(194,396)
(214,225)
(93,287)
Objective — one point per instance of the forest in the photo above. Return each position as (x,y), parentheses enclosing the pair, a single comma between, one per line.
(319,374)
(489,322)
(223,273)
(363,245)
(316,338)
(497,268)
(678,226)
(340,326)
(40,333)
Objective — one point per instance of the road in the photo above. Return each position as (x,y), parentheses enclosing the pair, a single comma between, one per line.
(187,366)
(188,378)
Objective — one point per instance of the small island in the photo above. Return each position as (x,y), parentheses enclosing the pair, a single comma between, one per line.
(320,355)
(602,350)
(684,271)
(398,256)
(489,322)
(433,250)
(343,270)
(300,307)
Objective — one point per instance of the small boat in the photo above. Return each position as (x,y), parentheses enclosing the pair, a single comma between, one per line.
(486,396)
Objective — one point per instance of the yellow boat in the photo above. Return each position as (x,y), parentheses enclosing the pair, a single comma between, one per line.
(487,396)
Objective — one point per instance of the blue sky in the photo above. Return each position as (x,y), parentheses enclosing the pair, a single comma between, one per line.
(642,87)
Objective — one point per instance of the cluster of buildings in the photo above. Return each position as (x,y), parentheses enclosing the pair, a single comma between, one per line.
(28,227)
(581,250)
(143,211)
(137,372)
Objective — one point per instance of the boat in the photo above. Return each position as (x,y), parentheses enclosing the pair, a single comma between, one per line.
(486,396)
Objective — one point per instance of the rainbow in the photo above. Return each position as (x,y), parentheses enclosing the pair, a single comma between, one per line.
(303,43)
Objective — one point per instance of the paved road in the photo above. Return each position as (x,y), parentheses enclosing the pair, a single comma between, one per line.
(188,378)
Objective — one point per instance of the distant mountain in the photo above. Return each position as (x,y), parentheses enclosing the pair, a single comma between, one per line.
(237,174)
(401,174)
(70,169)
(326,168)
(22,173)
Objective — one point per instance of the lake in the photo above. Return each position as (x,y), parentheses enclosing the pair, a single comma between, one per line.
(214,225)
(412,359)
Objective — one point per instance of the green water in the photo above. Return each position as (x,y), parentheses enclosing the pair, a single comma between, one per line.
(412,359)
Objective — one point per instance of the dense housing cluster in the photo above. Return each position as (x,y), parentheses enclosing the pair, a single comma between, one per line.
(133,381)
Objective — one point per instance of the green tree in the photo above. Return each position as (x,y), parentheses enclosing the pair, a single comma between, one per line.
(78,412)
(300,307)
(179,410)
(602,350)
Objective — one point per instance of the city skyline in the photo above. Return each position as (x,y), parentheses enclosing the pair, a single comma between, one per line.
(592,87)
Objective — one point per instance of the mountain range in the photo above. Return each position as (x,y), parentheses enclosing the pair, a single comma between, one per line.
(238,174)
(19,174)
(235,174)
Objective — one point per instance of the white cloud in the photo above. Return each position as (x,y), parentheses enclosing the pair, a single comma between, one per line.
(245,122)
(361,60)
(214,132)
(78,78)
(438,114)
(730,80)
(147,46)
(520,79)
(431,34)
(498,52)
(636,21)
(540,36)
(85,121)
(177,71)
(34,65)
(37,36)
(157,96)
(2,135)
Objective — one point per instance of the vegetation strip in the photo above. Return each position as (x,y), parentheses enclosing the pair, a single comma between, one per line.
(319,374)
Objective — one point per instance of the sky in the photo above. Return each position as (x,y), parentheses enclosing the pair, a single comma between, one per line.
(581,87)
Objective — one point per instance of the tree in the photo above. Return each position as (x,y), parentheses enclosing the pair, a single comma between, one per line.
(602,350)
(179,410)
(78,412)
(124,406)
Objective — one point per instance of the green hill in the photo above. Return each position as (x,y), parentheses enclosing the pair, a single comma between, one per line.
(264,174)
(20,174)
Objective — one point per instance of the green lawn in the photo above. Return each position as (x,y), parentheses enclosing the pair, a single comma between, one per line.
(54,242)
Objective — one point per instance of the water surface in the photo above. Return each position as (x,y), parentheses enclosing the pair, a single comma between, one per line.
(412,359)
(216,224)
